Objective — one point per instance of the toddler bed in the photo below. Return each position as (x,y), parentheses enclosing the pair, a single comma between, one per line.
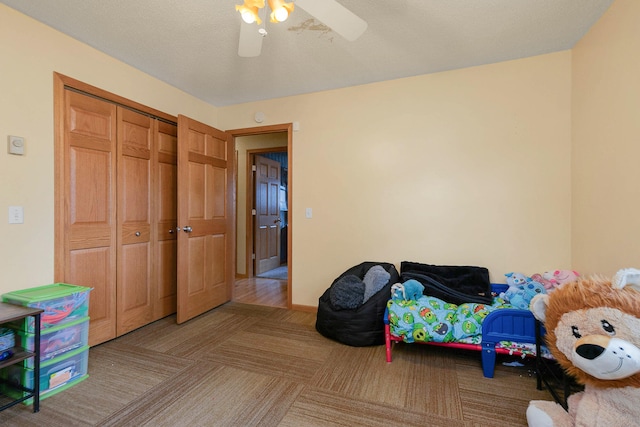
(489,328)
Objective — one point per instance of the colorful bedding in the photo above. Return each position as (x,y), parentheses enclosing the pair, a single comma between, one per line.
(429,319)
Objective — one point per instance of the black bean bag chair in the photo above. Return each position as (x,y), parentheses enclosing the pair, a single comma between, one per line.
(358,326)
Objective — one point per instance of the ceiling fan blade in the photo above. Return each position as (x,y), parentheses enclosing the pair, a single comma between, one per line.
(250,43)
(335,16)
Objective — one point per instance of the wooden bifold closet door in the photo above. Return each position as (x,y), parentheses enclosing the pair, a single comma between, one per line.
(135,242)
(166,218)
(89,238)
(122,183)
(120,169)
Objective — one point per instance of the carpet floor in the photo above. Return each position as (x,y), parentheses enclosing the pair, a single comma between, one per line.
(246,365)
(279,273)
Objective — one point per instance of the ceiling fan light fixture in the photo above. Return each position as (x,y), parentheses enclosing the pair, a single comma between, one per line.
(249,17)
(249,11)
(280,15)
(329,12)
(280,10)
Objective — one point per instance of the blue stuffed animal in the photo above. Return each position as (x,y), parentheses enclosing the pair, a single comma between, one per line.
(409,290)
(521,290)
(516,279)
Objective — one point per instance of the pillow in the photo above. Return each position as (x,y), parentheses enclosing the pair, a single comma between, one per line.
(347,292)
(374,280)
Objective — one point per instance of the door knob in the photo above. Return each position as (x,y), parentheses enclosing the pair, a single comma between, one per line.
(187,229)
(275,221)
(171,231)
(137,234)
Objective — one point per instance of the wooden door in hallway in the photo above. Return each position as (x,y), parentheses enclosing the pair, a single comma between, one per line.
(206,242)
(267,218)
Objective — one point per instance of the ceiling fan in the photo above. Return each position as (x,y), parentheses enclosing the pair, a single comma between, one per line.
(329,12)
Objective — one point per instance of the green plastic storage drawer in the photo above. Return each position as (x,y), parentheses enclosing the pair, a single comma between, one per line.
(62,303)
(57,340)
(54,373)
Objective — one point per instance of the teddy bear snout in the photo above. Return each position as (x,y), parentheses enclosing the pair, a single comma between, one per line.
(606,358)
(591,346)
(589,351)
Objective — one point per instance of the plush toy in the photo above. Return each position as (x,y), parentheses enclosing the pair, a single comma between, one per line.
(593,332)
(522,296)
(627,276)
(516,279)
(521,290)
(554,279)
(409,290)
(549,285)
(559,277)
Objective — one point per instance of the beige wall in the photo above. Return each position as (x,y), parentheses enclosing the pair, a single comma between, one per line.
(30,52)
(464,167)
(606,143)
(243,144)
(473,166)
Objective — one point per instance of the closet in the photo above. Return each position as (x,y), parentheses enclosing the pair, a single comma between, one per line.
(145,209)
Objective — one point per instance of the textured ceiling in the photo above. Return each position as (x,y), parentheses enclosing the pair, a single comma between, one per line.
(193,44)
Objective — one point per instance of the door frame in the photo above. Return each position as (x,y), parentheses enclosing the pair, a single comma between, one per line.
(262,130)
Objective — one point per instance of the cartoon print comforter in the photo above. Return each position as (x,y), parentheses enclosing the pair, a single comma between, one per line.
(429,319)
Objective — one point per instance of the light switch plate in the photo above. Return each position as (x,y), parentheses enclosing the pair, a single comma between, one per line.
(16,215)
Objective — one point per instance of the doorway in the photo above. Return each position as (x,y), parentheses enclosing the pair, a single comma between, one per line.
(269,213)
(263,283)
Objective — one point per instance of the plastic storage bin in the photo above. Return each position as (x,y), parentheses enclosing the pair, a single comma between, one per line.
(16,394)
(7,342)
(57,340)
(7,339)
(54,373)
(62,303)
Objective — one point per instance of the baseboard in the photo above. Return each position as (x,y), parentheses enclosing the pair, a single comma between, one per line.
(306,308)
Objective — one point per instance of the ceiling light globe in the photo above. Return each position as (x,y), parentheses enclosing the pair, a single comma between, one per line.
(248,17)
(281,14)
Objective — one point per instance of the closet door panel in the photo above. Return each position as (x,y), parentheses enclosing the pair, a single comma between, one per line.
(89,214)
(93,267)
(166,219)
(135,271)
(135,293)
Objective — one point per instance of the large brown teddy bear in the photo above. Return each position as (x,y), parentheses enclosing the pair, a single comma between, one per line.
(593,331)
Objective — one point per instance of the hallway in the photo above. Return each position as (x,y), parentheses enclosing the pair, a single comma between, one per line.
(259,291)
